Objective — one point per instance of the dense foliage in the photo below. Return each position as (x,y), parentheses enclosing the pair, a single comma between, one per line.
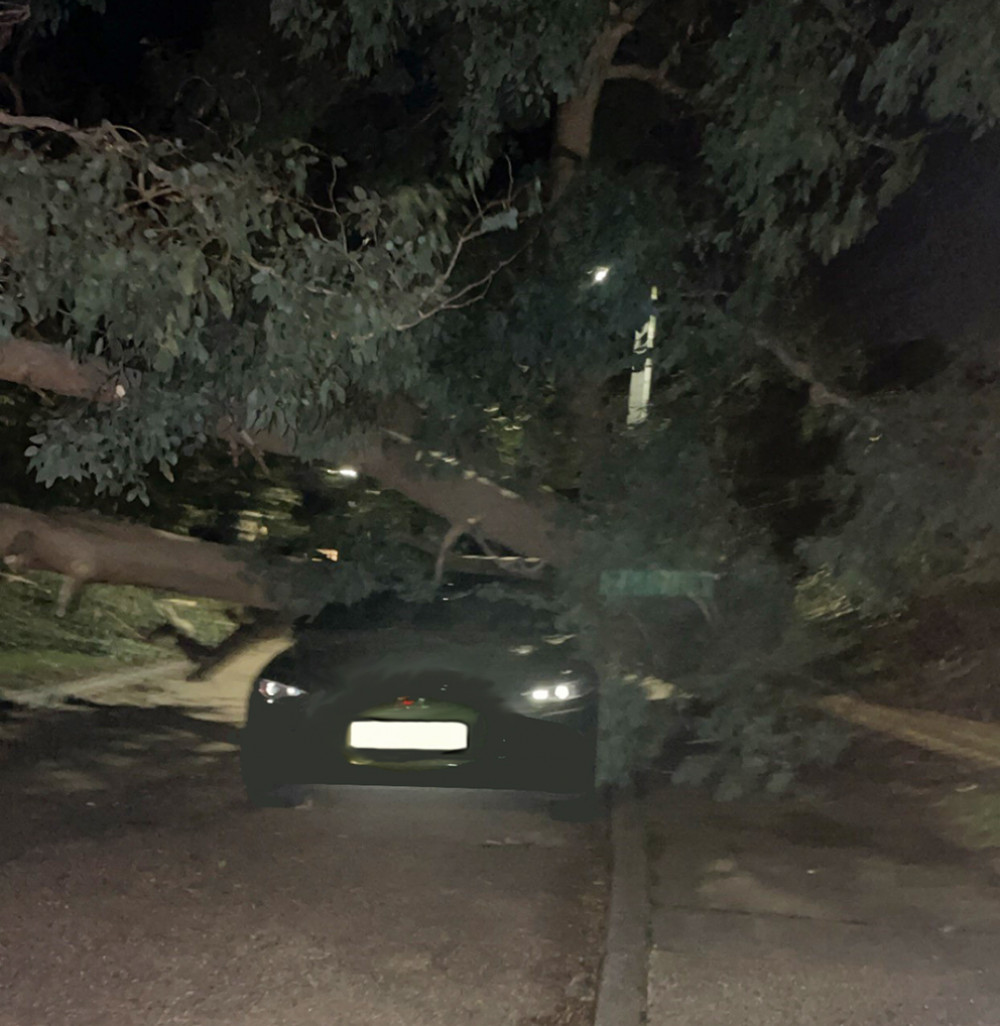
(349,218)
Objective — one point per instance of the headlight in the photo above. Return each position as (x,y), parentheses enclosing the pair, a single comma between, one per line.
(272,690)
(564,691)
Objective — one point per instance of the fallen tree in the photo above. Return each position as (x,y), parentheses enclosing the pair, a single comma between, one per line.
(214,278)
(458,495)
(321,315)
(85,548)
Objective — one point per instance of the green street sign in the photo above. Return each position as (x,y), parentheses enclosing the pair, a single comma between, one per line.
(657,584)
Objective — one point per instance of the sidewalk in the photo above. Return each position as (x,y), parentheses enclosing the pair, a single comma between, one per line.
(770,915)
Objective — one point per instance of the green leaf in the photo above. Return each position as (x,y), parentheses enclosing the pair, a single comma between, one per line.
(187,270)
(222,296)
(505,219)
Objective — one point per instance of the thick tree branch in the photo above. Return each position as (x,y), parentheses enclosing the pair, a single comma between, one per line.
(47,368)
(525,524)
(574,130)
(90,549)
(656,77)
(103,133)
(819,393)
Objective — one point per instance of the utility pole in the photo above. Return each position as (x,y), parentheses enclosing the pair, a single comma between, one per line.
(642,378)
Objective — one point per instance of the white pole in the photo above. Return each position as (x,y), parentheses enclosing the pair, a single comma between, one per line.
(642,378)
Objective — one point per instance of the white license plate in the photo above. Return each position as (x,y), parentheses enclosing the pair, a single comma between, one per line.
(426,736)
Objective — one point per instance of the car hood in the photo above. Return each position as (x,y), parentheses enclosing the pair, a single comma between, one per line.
(507,666)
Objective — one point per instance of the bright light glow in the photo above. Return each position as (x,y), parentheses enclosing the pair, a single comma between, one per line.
(599,274)
(332,554)
(427,736)
(556,692)
(349,472)
(274,689)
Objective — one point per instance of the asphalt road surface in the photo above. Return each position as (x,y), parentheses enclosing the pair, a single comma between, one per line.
(136,886)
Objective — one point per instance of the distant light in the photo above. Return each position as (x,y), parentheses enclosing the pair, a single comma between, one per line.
(346,472)
(332,554)
(600,274)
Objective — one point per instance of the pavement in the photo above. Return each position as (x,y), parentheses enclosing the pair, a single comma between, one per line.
(137,886)
(773,914)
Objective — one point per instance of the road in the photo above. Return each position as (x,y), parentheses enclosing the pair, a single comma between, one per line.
(136,886)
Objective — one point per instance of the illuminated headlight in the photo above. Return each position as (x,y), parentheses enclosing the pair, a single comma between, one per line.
(564,691)
(272,690)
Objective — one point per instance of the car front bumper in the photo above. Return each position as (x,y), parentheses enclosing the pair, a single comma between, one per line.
(552,753)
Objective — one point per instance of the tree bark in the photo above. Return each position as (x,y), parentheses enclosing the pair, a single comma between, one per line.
(48,368)
(86,548)
(527,525)
(574,129)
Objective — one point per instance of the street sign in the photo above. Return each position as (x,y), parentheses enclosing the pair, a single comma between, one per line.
(692,584)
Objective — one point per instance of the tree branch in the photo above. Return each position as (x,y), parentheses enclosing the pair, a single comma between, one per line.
(468,295)
(447,544)
(521,523)
(485,566)
(656,77)
(48,368)
(43,124)
(88,548)
(819,393)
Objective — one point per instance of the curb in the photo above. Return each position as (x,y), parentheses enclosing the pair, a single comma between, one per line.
(52,694)
(623,984)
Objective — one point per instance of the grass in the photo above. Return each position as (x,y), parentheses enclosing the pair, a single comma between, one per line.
(20,670)
(105,632)
(972,817)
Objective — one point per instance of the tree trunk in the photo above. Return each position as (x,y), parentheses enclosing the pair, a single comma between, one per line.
(574,129)
(86,548)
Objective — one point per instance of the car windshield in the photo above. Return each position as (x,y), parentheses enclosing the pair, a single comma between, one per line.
(462,611)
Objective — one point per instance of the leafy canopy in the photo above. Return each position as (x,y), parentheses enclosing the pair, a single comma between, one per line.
(275,287)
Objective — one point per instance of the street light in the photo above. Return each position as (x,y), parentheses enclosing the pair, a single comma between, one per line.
(600,274)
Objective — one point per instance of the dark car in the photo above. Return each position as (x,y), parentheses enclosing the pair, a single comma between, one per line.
(461,691)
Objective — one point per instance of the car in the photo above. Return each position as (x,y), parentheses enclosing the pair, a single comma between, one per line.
(461,691)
